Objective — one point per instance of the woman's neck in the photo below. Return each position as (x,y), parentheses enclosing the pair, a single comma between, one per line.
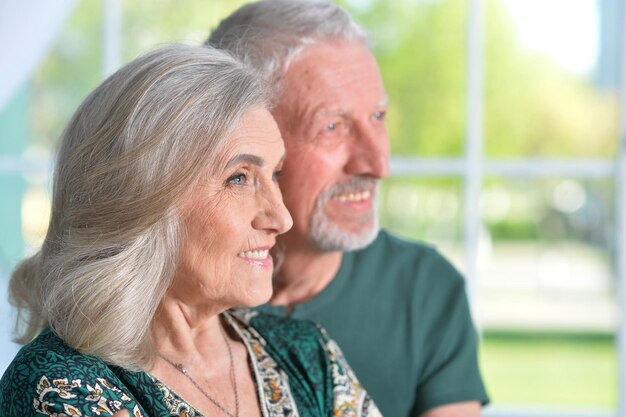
(186,333)
(211,353)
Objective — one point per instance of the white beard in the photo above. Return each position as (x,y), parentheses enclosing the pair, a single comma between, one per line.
(327,236)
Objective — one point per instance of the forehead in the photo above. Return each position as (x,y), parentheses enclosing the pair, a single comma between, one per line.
(256,134)
(333,72)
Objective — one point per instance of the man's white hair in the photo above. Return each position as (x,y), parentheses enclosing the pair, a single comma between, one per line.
(269,34)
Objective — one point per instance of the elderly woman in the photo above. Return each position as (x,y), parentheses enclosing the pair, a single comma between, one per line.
(165,207)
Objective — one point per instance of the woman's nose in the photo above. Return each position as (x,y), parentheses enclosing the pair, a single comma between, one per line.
(273,216)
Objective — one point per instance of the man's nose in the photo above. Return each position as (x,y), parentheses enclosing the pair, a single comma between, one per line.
(369,152)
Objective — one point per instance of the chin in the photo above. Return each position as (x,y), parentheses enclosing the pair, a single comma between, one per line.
(256,297)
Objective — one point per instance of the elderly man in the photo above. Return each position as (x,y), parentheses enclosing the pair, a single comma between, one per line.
(397,309)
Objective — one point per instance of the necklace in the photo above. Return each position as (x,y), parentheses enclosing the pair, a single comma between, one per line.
(233,378)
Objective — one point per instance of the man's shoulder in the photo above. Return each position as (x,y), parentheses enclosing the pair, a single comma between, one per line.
(393,248)
(397,255)
(387,240)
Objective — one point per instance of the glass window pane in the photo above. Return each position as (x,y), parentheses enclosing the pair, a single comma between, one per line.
(551,78)
(546,300)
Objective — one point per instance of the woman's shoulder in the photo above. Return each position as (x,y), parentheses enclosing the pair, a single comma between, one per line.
(49,350)
(295,345)
(317,370)
(47,377)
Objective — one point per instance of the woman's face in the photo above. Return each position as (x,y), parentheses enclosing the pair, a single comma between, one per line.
(232,220)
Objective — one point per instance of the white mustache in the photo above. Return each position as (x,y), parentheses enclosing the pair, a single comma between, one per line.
(353,185)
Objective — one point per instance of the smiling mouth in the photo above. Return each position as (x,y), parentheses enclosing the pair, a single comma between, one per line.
(353,197)
(254,254)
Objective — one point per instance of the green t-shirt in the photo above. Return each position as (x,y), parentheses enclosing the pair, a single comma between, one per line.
(399,312)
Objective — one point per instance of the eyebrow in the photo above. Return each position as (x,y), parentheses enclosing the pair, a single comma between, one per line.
(245,157)
(326,109)
(384,102)
(249,158)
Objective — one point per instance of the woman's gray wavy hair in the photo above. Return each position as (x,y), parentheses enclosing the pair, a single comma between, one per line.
(131,154)
(269,34)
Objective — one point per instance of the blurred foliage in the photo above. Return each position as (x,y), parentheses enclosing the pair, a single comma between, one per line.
(419,209)
(71,71)
(149,23)
(545,210)
(533,106)
(74,66)
(550,210)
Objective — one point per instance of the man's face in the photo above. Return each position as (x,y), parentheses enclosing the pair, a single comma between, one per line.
(332,117)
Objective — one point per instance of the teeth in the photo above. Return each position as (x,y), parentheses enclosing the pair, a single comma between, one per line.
(254,254)
(352,197)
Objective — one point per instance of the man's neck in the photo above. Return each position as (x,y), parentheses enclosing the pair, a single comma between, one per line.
(303,275)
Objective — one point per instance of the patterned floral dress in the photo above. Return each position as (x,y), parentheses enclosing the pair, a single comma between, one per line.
(298,370)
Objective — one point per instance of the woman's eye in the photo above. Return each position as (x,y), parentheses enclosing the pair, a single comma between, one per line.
(277,175)
(237,179)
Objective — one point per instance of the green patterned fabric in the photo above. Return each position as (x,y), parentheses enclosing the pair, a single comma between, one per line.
(49,378)
(302,373)
(295,346)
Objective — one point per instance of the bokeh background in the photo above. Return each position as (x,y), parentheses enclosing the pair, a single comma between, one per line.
(505,118)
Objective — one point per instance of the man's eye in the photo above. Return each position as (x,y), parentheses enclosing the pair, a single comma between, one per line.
(379,115)
(331,127)
(237,179)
